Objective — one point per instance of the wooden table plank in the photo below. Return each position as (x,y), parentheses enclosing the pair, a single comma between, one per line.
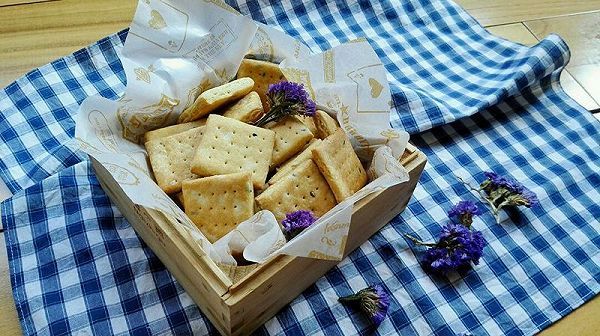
(515,32)
(494,12)
(578,92)
(19,2)
(9,323)
(34,34)
(583,321)
(518,32)
(582,34)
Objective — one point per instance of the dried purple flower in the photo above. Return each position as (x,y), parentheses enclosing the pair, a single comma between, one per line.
(503,191)
(494,182)
(500,191)
(287,98)
(295,222)
(527,198)
(456,248)
(464,211)
(373,301)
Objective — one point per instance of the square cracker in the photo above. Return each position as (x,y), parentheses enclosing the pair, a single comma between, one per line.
(217,204)
(292,163)
(171,158)
(216,97)
(325,124)
(172,130)
(263,73)
(231,146)
(291,135)
(310,123)
(247,109)
(338,162)
(302,189)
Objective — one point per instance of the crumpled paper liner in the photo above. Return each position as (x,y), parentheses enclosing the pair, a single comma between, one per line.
(236,273)
(177,49)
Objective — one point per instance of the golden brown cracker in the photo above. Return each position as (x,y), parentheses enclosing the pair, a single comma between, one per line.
(340,166)
(302,189)
(292,163)
(310,123)
(263,73)
(216,97)
(247,109)
(325,124)
(171,158)
(172,130)
(291,135)
(217,204)
(231,146)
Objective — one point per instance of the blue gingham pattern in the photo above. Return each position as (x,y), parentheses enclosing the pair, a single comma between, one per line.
(473,102)
(37,125)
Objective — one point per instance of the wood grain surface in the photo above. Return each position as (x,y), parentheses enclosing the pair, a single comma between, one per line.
(497,12)
(519,33)
(582,34)
(4,3)
(35,32)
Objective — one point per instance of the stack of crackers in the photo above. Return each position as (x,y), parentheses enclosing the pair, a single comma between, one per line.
(222,169)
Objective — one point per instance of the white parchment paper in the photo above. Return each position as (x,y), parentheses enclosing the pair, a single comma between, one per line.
(177,49)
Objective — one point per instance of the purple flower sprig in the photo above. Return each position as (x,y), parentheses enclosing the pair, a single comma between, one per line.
(506,191)
(285,99)
(457,247)
(296,222)
(500,191)
(372,301)
(464,212)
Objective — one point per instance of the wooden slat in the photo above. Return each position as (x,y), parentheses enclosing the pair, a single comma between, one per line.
(34,34)
(515,32)
(587,76)
(494,12)
(576,91)
(582,34)
(9,323)
(582,322)
(4,3)
(518,32)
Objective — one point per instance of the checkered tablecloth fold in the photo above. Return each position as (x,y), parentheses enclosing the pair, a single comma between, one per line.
(36,123)
(472,101)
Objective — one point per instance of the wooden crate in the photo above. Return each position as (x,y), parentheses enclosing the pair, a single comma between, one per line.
(240,308)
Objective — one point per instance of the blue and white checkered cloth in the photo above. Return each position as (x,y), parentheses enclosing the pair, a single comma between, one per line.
(472,101)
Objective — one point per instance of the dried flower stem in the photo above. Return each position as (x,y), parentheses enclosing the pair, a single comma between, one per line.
(276,113)
(457,247)
(372,301)
(418,241)
(479,191)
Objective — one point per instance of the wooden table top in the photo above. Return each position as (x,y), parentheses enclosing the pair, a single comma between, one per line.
(35,32)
